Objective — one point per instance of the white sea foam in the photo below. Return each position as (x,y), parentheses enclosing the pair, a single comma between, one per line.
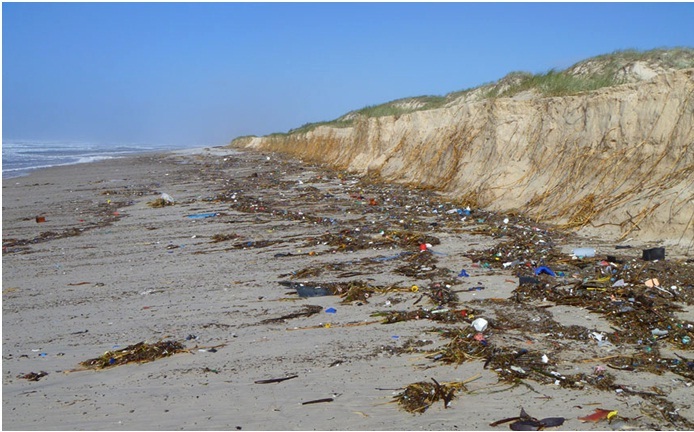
(19,157)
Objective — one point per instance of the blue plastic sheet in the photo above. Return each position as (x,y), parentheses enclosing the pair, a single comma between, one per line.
(546,270)
(389,258)
(202,215)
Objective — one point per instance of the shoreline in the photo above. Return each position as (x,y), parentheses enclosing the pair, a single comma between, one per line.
(106,271)
(24,172)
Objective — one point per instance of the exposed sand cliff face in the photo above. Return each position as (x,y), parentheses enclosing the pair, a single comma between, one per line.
(620,159)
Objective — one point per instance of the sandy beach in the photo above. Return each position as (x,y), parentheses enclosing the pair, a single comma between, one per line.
(222,270)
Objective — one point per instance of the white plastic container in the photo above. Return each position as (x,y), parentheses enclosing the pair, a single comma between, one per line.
(480,324)
(584,252)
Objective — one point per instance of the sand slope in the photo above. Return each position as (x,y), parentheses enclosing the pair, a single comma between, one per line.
(619,159)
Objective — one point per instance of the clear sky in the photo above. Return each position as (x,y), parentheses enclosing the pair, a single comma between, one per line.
(205,73)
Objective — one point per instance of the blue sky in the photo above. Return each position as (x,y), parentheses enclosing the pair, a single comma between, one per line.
(188,74)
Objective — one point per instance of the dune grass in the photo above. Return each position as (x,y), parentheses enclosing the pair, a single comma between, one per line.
(588,75)
(557,83)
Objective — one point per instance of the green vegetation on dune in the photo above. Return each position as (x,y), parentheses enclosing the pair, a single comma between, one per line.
(394,108)
(554,83)
(672,58)
(310,126)
(595,73)
(592,74)
(403,106)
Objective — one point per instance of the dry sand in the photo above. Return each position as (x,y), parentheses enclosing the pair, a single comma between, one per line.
(105,271)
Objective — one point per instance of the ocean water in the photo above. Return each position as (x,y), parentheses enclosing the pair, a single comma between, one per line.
(20,157)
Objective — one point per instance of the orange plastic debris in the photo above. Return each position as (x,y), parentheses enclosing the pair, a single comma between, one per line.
(598,415)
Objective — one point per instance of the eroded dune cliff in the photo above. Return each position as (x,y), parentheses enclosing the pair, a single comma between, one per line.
(616,162)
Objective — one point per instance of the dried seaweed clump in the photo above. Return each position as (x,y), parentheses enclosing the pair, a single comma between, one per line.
(652,362)
(160,202)
(463,347)
(307,311)
(439,315)
(33,376)
(138,353)
(357,291)
(442,295)
(418,397)
(223,237)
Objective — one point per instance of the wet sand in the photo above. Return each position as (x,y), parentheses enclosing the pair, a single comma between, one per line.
(106,271)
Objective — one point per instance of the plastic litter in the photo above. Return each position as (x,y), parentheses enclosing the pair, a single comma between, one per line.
(168,198)
(597,336)
(312,291)
(331,310)
(527,280)
(598,415)
(390,258)
(480,324)
(479,337)
(650,283)
(40,219)
(584,252)
(202,215)
(463,273)
(163,201)
(518,369)
(546,270)
(654,254)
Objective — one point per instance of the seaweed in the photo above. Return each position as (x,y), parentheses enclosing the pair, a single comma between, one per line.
(439,315)
(216,238)
(442,295)
(524,422)
(357,291)
(464,346)
(33,376)
(138,353)
(256,244)
(350,291)
(422,265)
(307,311)
(275,380)
(351,240)
(160,202)
(418,397)
(308,272)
